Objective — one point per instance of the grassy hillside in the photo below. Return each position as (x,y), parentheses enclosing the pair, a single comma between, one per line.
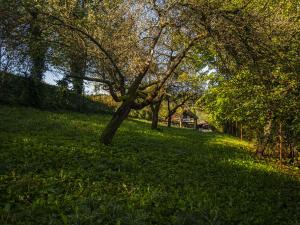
(54,171)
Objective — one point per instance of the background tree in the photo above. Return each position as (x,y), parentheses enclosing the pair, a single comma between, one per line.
(23,38)
(78,53)
(155,107)
(261,96)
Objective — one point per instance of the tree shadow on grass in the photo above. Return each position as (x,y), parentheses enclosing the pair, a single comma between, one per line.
(60,174)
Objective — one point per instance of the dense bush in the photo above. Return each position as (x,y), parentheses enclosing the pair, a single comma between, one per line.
(17,90)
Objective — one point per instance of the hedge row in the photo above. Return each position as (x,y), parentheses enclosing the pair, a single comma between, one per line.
(17,90)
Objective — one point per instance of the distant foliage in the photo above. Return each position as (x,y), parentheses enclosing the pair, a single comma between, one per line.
(265,111)
(142,114)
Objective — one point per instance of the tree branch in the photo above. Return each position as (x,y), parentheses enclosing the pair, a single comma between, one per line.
(172,111)
(107,82)
(145,86)
(93,40)
(140,77)
(92,79)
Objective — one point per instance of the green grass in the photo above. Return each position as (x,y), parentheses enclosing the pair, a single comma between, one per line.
(54,171)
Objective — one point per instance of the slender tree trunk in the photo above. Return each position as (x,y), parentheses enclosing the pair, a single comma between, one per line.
(169,113)
(154,125)
(292,153)
(154,111)
(259,139)
(119,116)
(241,132)
(170,121)
(155,107)
(231,129)
(280,143)
(266,135)
(225,127)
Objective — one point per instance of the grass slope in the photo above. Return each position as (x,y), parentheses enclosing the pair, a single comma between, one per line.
(54,171)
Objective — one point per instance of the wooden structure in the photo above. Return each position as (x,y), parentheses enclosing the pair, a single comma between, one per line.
(185,119)
(189,119)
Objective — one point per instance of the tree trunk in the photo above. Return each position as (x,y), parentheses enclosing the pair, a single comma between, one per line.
(155,111)
(280,143)
(119,116)
(37,54)
(169,120)
(259,139)
(155,107)
(266,135)
(37,49)
(77,69)
(169,113)
(241,132)
(154,125)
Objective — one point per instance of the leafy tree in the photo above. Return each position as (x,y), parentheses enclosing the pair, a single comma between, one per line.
(260,95)
(126,67)
(23,32)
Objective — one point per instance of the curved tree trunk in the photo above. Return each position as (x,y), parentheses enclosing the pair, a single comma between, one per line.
(119,116)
